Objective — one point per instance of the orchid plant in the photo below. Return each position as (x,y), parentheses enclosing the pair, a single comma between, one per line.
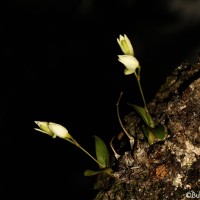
(132,66)
(152,132)
(102,155)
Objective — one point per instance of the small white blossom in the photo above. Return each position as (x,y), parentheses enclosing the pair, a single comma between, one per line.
(125,45)
(130,62)
(53,129)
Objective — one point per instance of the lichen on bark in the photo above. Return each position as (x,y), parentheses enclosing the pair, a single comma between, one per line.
(166,169)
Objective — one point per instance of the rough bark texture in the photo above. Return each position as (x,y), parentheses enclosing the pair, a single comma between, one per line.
(167,169)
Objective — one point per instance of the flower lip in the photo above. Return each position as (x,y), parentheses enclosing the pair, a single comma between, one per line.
(130,62)
(59,130)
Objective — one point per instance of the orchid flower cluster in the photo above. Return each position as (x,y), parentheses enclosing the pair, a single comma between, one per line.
(132,66)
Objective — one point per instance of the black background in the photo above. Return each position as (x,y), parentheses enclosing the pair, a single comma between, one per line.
(59,63)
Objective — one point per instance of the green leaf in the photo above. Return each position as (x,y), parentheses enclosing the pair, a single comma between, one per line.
(144,115)
(154,134)
(102,153)
(159,132)
(149,134)
(88,172)
(91,172)
(145,131)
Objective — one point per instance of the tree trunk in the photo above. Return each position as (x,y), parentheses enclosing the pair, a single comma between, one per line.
(168,169)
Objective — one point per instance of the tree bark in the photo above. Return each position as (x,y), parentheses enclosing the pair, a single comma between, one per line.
(168,169)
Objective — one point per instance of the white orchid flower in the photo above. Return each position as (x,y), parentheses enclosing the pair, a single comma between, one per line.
(125,45)
(130,62)
(53,129)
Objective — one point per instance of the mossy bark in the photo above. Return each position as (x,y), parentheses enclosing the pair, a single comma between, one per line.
(168,169)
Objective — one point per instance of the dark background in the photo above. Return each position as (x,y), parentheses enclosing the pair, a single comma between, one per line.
(59,63)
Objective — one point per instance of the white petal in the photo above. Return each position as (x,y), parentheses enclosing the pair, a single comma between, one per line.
(130,47)
(59,130)
(120,44)
(128,71)
(48,133)
(40,123)
(121,37)
(37,129)
(130,62)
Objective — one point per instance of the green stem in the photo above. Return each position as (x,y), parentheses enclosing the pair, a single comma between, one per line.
(140,88)
(150,120)
(73,141)
(79,146)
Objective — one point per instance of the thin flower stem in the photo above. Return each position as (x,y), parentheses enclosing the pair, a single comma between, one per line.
(141,91)
(150,120)
(80,147)
(89,155)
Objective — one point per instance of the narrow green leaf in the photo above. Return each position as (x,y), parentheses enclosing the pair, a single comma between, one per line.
(88,172)
(145,131)
(91,172)
(144,115)
(102,153)
(150,121)
(149,134)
